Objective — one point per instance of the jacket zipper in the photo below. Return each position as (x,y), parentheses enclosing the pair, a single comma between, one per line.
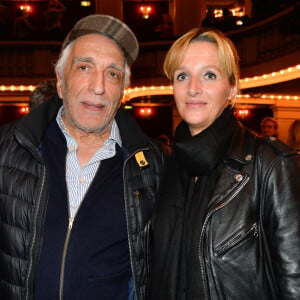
(30,266)
(136,197)
(221,205)
(237,239)
(34,236)
(62,271)
(65,249)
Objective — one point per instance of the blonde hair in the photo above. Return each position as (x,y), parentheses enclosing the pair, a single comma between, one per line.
(267,119)
(228,55)
(294,134)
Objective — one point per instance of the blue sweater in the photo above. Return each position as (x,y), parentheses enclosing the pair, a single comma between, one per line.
(97,264)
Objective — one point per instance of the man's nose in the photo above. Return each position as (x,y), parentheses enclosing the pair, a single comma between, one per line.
(97,83)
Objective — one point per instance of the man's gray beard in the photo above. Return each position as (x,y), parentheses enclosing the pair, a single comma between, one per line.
(84,129)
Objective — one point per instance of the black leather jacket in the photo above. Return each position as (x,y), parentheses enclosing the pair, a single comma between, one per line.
(260,204)
(249,242)
(23,199)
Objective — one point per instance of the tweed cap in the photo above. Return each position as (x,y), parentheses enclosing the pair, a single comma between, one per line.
(110,27)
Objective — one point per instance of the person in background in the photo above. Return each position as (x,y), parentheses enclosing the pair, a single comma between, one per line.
(294,135)
(226,224)
(210,20)
(42,93)
(23,29)
(79,179)
(165,144)
(228,21)
(53,20)
(269,127)
(165,29)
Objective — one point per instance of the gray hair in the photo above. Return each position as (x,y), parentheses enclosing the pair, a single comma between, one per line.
(62,61)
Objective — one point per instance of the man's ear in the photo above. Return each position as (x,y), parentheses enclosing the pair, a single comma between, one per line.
(122,96)
(59,85)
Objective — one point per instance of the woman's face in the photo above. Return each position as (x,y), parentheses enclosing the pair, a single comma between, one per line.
(268,128)
(200,89)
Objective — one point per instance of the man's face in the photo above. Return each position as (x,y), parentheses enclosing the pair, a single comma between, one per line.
(93,84)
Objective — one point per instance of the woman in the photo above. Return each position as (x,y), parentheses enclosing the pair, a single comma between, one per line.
(269,127)
(294,135)
(227,223)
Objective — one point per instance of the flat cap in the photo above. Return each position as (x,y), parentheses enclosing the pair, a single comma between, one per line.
(110,27)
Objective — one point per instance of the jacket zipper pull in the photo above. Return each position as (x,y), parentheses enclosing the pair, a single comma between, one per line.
(71,220)
(137,196)
(255,230)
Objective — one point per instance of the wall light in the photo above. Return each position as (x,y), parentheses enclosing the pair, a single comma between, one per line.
(25,8)
(85,3)
(242,113)
(145,112)
(146,11)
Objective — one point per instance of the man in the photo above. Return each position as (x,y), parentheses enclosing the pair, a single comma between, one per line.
(78,179)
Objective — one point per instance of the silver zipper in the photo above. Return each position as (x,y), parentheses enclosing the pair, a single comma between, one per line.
(66,244)
(62,271)
(221,205)
(253,230)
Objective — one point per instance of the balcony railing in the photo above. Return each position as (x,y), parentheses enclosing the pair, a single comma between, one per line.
(264,47)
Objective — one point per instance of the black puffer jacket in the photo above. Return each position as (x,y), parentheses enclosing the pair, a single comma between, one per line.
(247,242)
(24,193)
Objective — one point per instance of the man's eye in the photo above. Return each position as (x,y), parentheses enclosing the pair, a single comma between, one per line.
(83,68)
(114,75)
(210,75)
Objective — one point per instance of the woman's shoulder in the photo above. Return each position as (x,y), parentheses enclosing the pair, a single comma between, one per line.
(276,145)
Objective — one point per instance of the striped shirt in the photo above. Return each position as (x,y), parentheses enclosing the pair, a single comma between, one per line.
(79,178)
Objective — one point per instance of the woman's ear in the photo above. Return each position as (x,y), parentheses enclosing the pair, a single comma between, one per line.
(232,92)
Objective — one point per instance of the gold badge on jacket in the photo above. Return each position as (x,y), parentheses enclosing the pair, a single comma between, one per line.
(141,159)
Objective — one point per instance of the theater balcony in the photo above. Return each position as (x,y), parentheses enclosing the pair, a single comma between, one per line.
(270,68)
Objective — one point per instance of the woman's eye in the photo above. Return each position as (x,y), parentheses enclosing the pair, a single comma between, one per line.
(210,75)
(181,76)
